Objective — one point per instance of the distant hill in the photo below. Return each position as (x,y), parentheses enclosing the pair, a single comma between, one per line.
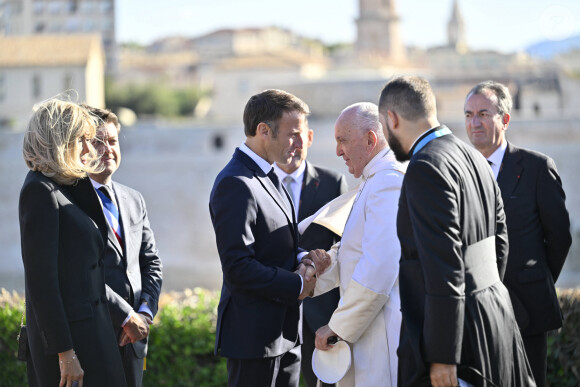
(548,48)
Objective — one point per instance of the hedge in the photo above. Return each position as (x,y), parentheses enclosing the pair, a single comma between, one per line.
(182,340)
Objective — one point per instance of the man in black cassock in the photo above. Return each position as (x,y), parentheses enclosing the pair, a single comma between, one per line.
(458,321)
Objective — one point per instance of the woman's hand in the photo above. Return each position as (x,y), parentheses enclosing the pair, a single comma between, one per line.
(71,373)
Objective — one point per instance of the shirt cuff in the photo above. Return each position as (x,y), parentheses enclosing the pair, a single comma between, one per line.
(301,255)
(145,308)
(127,318)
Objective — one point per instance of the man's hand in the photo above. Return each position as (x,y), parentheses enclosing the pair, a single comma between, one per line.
(322,335)
(320,258)
(137,328)
(308,274)
(443,375)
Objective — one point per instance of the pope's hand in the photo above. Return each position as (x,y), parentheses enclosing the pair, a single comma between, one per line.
(322,335)
(320,258)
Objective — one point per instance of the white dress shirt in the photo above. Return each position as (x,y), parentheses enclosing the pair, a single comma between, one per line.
(496,158)
(296,184)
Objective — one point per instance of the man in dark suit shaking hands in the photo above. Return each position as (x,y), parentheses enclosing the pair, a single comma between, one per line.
(132,264)
(537,220)
(311,187)
(258,327)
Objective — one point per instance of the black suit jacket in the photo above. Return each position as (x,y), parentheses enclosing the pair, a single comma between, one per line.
(256,237)
(539,236)
(319,186)
(132,271)
(66,307)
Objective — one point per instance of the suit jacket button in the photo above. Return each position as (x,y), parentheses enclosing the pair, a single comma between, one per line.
(97,302)
(94,266)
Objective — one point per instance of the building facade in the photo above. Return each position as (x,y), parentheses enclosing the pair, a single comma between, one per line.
(62,17)
(35,68)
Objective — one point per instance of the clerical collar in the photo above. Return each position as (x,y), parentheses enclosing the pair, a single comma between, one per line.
(426,137)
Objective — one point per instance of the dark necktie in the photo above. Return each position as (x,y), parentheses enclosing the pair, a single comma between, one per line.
(111,211)
(274,178)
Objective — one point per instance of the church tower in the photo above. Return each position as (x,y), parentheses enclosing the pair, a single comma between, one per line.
(456,30)
(378,36)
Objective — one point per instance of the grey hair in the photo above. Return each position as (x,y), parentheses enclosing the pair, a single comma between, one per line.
(504,98)
(366,117)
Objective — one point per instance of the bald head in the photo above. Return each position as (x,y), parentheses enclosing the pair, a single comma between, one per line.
(359,136)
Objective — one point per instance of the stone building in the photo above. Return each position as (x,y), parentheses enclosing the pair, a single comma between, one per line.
(34,68)
(62,17)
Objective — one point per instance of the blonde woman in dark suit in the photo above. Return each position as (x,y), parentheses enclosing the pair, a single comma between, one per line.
(70,335)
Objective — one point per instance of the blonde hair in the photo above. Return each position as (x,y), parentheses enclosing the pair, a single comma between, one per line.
(51,142)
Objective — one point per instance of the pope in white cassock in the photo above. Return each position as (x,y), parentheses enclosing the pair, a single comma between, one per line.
(365,264)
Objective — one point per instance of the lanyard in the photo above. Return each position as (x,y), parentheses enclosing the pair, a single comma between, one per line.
(444,130)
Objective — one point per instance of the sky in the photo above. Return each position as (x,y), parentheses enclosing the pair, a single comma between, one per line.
(503,25)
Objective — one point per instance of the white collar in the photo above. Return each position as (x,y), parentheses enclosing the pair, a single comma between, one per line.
(263,164)
(368,168)
(296,175)
(97,185)
(497,157)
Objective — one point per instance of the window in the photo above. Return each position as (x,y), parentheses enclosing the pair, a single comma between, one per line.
(72,6)
(39,27)
(36,87)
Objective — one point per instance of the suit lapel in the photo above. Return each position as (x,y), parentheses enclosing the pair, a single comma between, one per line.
(510,172)
(310,186)
(268,186)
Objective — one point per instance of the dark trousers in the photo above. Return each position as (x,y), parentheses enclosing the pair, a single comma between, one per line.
(132,365)
(279,371)
(537,352)
(308,375)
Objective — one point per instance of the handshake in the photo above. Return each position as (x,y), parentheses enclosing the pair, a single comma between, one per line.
(312,264)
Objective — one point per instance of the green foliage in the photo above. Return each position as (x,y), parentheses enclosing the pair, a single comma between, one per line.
(12,371)
(564,344)
(152,99)
(182,340)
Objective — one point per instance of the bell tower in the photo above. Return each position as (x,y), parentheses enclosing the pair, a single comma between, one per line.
(456,30)
(378,35)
